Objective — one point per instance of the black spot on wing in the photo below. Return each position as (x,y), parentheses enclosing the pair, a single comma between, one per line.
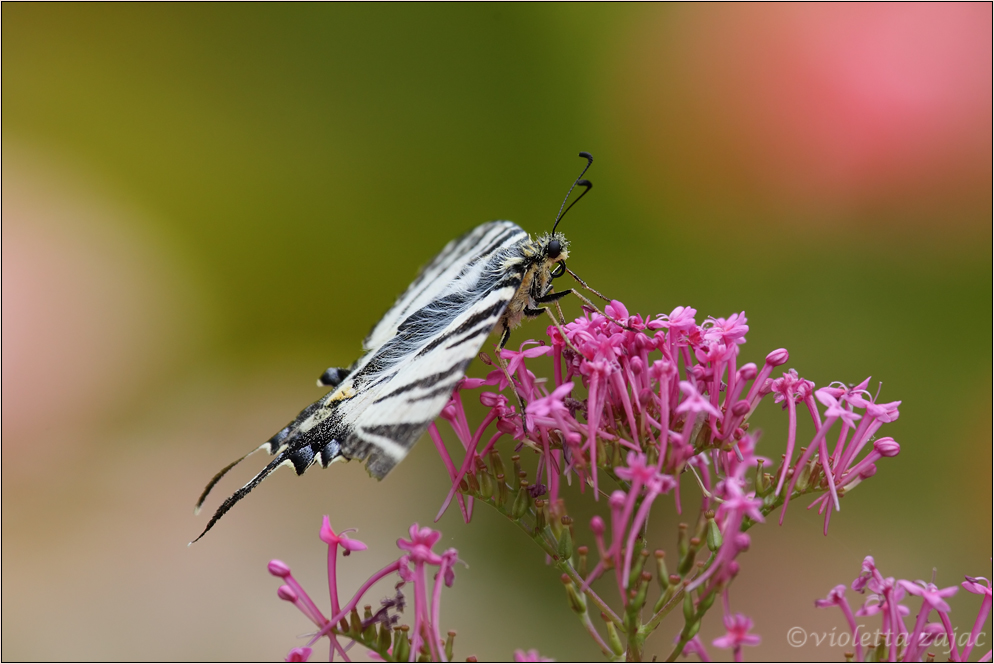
(282,436)
(302,458)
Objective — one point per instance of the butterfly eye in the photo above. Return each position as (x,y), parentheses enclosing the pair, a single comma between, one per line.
(553,249)
(559,270)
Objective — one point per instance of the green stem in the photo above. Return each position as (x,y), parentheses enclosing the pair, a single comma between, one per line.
(546,541)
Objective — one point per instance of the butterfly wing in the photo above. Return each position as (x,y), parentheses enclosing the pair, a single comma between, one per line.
(415,356)
(395,404)
(443,274)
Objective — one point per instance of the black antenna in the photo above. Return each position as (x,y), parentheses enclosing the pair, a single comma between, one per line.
(587,184)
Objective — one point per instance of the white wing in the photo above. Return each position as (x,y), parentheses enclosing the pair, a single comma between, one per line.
(443,273)
(415,356)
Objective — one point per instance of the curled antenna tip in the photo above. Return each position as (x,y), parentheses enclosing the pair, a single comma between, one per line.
(578,182)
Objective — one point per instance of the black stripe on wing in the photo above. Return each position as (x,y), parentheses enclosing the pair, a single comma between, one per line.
(450,262)
(456,369)
(379,463)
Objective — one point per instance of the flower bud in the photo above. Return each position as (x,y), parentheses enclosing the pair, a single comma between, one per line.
(298,655)
(521,500)
(516,460)
(662,575)
(747,372)
(886,447)
(541,515)
(778,357)
(565,548)
(740,408)
(279,568)
(502,493)
(556,511)
(652,456)
(286,593)
(641,590)
(355,624)
(714,533)
(486,484)
(576,603)
(804,477)
(450,643)
(689,613)
(582,552)
(472,482)
(597,526)
(639,556)
(496,463)
(667,595)
(683,548)
(705,602)
(762,480)
(369,633)
(613,640)
(383,639)
(401,644)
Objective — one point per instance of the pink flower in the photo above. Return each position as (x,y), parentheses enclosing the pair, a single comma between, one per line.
(737,635)
(974,585)
(930,593)
(728,331)
(298,655)
(328,536)
(694,403)
(530,656)
(837,597)
(420,544)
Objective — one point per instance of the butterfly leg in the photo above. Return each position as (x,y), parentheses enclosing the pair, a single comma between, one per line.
(584,285)
(555,297)
(504,337)
(548,298)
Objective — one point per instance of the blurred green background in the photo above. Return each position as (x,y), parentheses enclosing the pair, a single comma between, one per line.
(204,206)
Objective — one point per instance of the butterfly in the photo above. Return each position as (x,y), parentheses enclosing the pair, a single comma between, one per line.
(487,280)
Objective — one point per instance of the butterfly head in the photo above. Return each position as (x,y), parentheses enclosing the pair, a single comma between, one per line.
(555,251)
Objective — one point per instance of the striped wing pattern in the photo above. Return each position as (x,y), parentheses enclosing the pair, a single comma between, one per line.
(414,357)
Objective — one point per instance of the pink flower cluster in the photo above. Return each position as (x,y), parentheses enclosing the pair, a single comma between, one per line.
(633,407)
(646,399)
(377,631)
(893,641)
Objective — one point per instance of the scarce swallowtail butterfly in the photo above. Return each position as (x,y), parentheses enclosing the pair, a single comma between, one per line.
(487,280)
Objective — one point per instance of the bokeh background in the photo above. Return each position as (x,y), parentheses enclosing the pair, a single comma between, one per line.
(204,206)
